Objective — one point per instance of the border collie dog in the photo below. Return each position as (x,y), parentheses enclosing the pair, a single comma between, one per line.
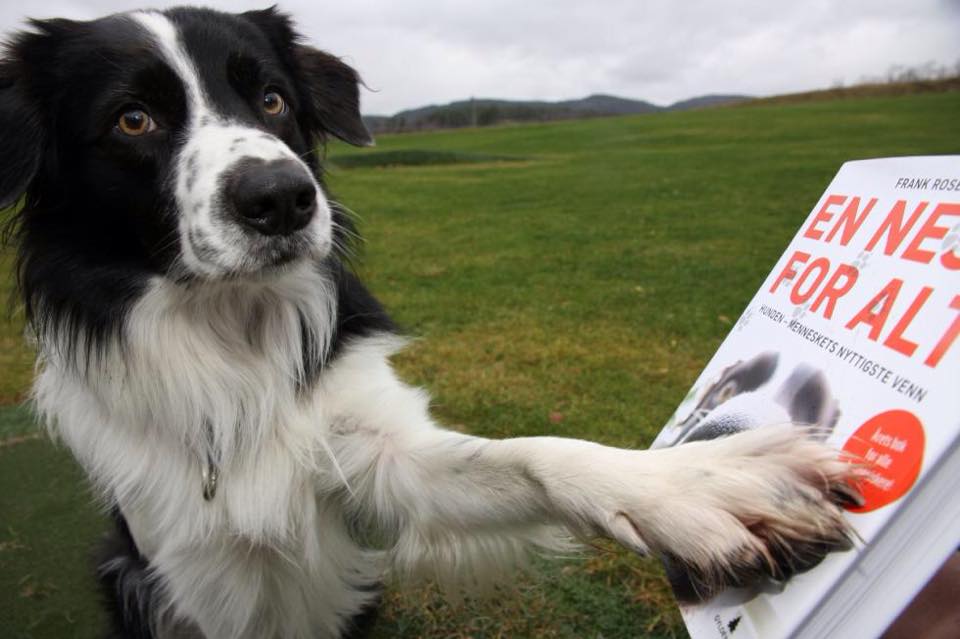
(223,377)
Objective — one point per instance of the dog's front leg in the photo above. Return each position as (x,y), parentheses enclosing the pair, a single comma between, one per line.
(724,512)
(728,512)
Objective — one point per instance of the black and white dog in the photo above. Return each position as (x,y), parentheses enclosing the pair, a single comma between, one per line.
(224,378)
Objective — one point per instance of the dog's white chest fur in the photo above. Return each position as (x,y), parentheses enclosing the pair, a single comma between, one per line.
(214,376)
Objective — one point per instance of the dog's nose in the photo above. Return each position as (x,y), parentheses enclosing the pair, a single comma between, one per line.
(274,198)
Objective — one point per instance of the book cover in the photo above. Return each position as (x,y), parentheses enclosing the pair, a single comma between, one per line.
(855,333)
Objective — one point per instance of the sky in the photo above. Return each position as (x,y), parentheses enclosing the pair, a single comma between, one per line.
(417,52)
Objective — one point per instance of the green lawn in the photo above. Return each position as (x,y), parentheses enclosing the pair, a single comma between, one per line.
(568,279)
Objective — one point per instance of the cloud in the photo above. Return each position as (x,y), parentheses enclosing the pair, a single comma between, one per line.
(433,51)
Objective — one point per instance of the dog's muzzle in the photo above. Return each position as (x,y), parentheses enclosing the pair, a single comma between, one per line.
(276,197)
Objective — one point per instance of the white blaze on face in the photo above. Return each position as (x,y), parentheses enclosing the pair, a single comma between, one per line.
(212,242)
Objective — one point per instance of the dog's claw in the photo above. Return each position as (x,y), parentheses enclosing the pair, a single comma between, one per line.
(627,533)
(846,495)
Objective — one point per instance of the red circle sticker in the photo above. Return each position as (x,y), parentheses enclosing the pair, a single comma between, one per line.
(890,445)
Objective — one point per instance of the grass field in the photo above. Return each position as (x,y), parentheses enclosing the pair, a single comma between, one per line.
(568,279)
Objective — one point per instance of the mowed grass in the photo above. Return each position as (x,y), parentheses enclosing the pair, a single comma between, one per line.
(566,279)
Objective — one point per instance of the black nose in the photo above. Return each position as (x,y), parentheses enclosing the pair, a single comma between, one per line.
(274,198)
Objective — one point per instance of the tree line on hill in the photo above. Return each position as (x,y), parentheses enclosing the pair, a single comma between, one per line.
(486,112)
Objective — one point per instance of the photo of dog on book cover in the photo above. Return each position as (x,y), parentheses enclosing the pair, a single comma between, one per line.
(763,390)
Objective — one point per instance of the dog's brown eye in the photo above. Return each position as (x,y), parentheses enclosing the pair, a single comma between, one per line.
(273,103)
(135,122)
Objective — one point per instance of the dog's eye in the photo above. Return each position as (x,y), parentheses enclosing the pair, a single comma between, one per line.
(273,103)
(135,122)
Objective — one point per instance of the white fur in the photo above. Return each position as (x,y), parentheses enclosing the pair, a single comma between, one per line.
(269,556)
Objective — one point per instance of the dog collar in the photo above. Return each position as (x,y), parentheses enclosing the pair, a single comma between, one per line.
(209,471)
(209,474)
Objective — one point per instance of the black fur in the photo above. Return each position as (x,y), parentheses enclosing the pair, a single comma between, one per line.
(129,593)
(361,625)
(97,217)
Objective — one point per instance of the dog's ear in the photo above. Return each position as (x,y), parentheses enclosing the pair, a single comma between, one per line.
(28,66)
(21,135)
(332,87)
(334,90)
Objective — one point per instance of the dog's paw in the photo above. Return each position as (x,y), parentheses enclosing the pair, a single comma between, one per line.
(737,511)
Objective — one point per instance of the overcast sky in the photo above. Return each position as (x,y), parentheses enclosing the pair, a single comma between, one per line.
(417,52)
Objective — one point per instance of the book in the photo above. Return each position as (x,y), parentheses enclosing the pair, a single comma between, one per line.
(856,334)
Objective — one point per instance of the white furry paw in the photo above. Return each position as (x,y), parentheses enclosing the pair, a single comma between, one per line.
(733,512)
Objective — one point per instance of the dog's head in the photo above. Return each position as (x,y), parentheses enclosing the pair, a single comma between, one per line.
(184,141)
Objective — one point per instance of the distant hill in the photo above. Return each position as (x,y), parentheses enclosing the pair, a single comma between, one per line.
(866,90)
(485,112)
(705,101)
